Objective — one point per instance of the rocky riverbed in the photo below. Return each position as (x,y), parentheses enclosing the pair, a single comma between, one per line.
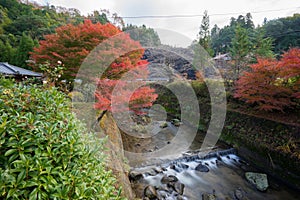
(218,175)
(196,175)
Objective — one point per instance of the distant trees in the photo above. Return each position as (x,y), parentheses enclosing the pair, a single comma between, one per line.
(29,24)
(222,37)
(243,41)
(272,84)
(18,55)
(21,25)
(97,16)
(7,51)
(4,19)
(284,31)
(25,46)
(146,36)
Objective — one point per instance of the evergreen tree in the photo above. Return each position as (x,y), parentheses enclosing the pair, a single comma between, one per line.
(204,34)
(249,22)
(146,36)
(240,49)
(4,20)
(98,17)
(7,51)
(22,53)
(263,46)
(215,35)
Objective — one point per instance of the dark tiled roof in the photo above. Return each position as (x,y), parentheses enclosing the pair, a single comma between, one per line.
(8,69)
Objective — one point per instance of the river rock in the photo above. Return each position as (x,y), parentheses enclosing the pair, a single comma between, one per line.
(259,180)
(179,167)
(176,122)
(151,173)
(168,179)
(165,187)
(158,170)
(207,196)
(182,166)
(162,194)
(240,194)
(150,192)
(137,145)
(178,187)
(163,125)
(172,166)
(202,168)
(135,176)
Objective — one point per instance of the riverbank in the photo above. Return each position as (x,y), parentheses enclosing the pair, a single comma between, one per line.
(270,141)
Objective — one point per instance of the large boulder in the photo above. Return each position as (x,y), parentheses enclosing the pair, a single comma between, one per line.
(259,180)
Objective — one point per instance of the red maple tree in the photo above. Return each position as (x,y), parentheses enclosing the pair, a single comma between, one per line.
(272,84)
(290,70)
(71,44)
(100,53)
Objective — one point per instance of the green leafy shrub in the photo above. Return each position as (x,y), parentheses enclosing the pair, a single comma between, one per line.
(44,151)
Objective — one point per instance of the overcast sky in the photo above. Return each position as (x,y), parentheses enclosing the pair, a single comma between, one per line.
(188,26)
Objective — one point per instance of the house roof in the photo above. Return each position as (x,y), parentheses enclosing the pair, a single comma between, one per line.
(8,69)
(225,56)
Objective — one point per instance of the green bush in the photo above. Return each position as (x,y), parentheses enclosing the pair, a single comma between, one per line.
(44,151)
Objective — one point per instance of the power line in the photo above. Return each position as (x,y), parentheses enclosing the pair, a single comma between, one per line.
(200,15)
(161,16)
(262,11)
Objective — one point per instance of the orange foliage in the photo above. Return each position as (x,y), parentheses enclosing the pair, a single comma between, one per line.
(272,84)
(71,44)
(88,50)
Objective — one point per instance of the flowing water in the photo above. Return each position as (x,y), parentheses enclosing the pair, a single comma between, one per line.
(222,174)
(224,179)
